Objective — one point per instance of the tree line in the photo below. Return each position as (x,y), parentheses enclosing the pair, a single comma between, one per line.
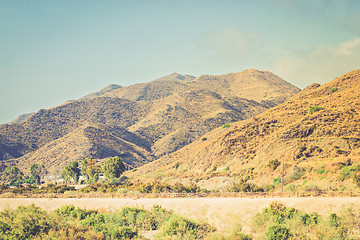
(112,168)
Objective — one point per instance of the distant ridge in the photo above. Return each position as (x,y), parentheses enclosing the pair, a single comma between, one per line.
(101,92)
(141,122)
(21,118)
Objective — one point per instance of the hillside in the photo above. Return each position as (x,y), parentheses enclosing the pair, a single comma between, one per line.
(141,122)
(315,134)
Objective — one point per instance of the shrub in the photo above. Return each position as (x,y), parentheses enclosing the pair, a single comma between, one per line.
(334,220)
(185,228)
(244,186)
(278,232)
(291,187)
(349,171)
(334,89)
(314,109)
(277,181)
(226,125)
(25,223)
(297,173)
(204,139)
(356,179)
(273,164)
(310,219)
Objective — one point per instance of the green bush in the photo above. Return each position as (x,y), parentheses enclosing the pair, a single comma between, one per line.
(277,181)
(226,125)
(185,228)
(314,109)
(334,220)
(273,164)
(244,186)
(24,223)
(297,173)
(334,89)
(349,171)
(310,219)
(278,232)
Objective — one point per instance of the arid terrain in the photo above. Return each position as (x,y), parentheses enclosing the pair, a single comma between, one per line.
(141,122)
(313,134)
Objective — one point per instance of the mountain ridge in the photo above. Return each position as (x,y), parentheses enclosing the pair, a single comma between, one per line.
(317,128)
(146,120)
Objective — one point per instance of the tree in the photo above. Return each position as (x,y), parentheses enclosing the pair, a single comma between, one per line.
(38,171)
(90,170)
(12,174)
(71,172)
(112,168)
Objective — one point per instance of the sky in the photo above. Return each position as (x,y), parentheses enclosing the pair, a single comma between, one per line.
(52,51)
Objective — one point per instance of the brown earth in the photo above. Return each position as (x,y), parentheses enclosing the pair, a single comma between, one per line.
(310,144)
(139,123)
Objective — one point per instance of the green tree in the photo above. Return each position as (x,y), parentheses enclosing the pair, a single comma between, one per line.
(112,168)
(11,175)
(90,170)
(71,172)
(38,171)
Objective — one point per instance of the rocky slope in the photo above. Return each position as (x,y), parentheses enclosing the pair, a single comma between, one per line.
(141,122)
(313,134)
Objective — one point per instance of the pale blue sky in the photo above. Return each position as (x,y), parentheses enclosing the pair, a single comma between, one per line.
(53,51)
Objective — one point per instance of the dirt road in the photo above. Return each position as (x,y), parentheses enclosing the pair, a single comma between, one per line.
(222,213)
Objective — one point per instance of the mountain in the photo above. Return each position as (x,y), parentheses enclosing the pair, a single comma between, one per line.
(313,134)
(141,122)
(101,92)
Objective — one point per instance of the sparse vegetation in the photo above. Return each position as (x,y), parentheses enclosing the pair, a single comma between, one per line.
(334,89)
(273,164)
(313,109)
(77,223)
(184,228)
(226,125)
(153,187)
(244,186)
(281,222)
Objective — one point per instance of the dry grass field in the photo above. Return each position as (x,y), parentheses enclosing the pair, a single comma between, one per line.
(223,213)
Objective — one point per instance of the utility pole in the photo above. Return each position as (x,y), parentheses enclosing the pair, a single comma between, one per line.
(282,176)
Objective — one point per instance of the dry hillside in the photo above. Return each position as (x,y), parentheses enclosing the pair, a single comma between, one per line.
(314,134)
(142,122)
